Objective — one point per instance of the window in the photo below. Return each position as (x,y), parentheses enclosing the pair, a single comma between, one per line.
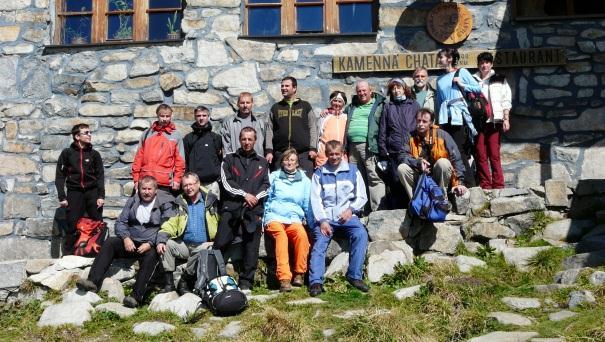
(557,9)
(291,17)
(100,21)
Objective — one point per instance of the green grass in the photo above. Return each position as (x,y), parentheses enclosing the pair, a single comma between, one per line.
(540,221)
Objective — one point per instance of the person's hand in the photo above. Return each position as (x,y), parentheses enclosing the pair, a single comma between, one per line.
(176,186)
(250,200)
(325,229)
(345,215)
(425,166)
(161,248)
(100,202)
(144,247)
(129,245)
(505,125)
(269,157)
(312,154)
(459,190)
(326,112)
(63,204)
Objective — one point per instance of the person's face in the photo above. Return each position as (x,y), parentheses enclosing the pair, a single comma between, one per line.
(423,123)
(334,156)
(191,187)
(337,104)
(397,90)
(164,116)
(247,140)
(485,67)
(147,191)
(291,163)
(287,89)
(202,117)
(85,136)
(364,94)
(420,79)
(245,104)
(444,61)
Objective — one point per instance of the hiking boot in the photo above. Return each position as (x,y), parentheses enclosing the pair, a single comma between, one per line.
(285,286)
(358,284)
(183,286)
(244,285)
(298,280)
(315,290)
(86,285)
(168,283)
(130,302)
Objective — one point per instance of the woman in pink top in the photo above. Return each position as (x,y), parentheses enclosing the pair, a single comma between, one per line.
(332,125)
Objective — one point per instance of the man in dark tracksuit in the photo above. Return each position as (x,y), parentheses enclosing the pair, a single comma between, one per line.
(245,180)
(80,169)
(291,124)
(203,150)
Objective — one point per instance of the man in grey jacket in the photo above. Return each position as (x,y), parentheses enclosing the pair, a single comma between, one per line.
(232,125)
(136,233)
(425,94)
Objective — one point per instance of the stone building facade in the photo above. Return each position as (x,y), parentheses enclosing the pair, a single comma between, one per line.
(557,123)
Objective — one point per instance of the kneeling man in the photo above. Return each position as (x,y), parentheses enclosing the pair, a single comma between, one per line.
(337,194)
(136,233)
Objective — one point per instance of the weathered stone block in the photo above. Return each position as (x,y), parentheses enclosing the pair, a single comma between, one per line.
(37,227)
(389,225)
(515,205)
(13,273)
(252,50)
(24,248)
(440,237)
(169,81)
(556,193)
(116,72)
(346,49)
(238,79)
(20,206)
(82,62)
(94,109)
(211,54)
(490,230)
(137,83)
(9,33)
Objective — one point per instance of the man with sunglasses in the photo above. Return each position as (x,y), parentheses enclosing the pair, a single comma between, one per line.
(80,170)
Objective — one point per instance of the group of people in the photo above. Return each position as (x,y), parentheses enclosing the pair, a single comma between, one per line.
(299,179)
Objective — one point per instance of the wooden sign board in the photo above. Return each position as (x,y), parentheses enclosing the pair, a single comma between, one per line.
(468,59)
(449,23)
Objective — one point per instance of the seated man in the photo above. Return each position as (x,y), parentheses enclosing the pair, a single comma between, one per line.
(431,150)
(337,193)
(184,235)
(136,233)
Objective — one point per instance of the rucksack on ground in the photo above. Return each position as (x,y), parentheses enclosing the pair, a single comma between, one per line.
(218,291)
(91,235)
(429,201)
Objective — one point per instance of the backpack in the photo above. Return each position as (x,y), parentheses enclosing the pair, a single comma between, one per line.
(478,105)
(91,236)
(429,201)
(219,291)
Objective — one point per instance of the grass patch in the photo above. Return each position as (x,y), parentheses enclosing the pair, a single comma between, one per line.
(409,274)
(549,260)
(540,221)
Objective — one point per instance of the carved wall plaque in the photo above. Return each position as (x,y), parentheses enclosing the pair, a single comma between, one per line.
(449,23)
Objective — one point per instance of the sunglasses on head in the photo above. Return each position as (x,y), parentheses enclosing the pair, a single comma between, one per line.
(86,133)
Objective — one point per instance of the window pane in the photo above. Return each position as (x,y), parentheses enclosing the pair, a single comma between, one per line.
(309,19)
(309,1)
(264,21)
(78,5)
(264,1)
(355,17)
(164,3)
(76,29)
(119,27)
(163,23)
(119,5)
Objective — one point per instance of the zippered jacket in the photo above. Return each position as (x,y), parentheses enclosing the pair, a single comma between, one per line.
(291,127)
(127,224)
(333,191)
(241,174)
(161,155)
(398,119)
(498,92)
(373,120)
(231,127)
(79,169)
(288,200)
(451,106)
(203,152)
(331,127)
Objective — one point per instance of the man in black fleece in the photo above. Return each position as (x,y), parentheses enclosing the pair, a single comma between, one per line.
(80,169)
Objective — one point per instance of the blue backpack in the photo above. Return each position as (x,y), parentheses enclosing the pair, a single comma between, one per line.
(429,202)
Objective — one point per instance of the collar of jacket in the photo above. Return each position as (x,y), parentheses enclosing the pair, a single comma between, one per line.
(75,146)
(297,175)
(407,100)
(477,75)
(284,102)
(156,127)
(376,96)
(342,167)
(240,152)
(200,129)
(432,134)
(237,118)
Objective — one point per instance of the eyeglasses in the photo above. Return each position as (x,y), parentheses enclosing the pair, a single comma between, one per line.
(86,133)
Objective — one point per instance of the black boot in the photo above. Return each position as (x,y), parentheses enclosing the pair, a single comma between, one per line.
(168,283)
(183,286)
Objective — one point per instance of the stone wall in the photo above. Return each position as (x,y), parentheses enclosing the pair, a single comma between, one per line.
(557,121)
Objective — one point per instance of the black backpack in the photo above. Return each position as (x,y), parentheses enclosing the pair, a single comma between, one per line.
(218,291)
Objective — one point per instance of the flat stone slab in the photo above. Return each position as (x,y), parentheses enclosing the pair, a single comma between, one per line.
(152,328)
(13,273)
(306,301)
(350,314)
(577,298)
(116,308)
(161,301)
(185,306)
(466,263)
(597,278)
(551,287)
(201,331)
(561,315)
(113,288)
(520,257)
(547,339)
(231,330)
(75,313)
(505,336)
(70,262)
(263,298)
(329,332)
(407,292)
(77,295)
(510,318)
(35,266)
(520,303)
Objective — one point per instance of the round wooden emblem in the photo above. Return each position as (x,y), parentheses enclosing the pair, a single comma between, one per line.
(449,23)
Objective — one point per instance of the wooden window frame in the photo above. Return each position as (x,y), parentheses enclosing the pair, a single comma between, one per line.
(569,8)
(331,23)
(100,16)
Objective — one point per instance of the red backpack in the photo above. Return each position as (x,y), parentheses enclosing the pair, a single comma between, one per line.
(92,234)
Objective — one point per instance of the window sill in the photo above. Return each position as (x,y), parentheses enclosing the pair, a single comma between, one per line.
(560,17)
(51,49)
(324,37)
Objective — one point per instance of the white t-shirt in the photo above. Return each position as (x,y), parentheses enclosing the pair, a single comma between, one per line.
(144,211)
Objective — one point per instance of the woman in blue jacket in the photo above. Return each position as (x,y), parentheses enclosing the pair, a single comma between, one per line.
(286,208)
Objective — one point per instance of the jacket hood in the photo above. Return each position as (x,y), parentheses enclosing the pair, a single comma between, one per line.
(76,147)
(200,129)
(156,127)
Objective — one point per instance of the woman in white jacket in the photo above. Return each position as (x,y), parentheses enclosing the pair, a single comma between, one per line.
(498,92)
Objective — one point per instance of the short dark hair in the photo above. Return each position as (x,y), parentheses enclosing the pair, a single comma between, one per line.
(201,109)
(451,53)
(76,129)
(425,110)
(294,82)
(247,130)
(190,174)
(342,94)
(407,91)
(163,106)
(333,144)
(485,57)
(146,180)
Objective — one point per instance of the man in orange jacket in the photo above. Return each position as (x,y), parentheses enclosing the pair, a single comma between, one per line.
(161,153)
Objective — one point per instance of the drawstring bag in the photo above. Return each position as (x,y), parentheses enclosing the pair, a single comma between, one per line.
(429,201)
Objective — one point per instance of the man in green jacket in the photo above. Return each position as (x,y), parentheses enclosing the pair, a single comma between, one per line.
(184,235)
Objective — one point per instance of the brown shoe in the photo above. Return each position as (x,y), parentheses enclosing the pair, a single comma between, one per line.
(298,280)
(285,286)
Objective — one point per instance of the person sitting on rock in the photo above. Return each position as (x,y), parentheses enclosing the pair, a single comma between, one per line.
(136,234)
(187,233)
(432,151)
(337,194)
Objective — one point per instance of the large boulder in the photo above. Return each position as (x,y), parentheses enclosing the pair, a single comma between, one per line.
(385,262)
(389,225)
(440,237)
(503,206)
(520,257)
(338,265)
(592,259)
(485,230)
(566,230)
(185,306)
(75,313)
